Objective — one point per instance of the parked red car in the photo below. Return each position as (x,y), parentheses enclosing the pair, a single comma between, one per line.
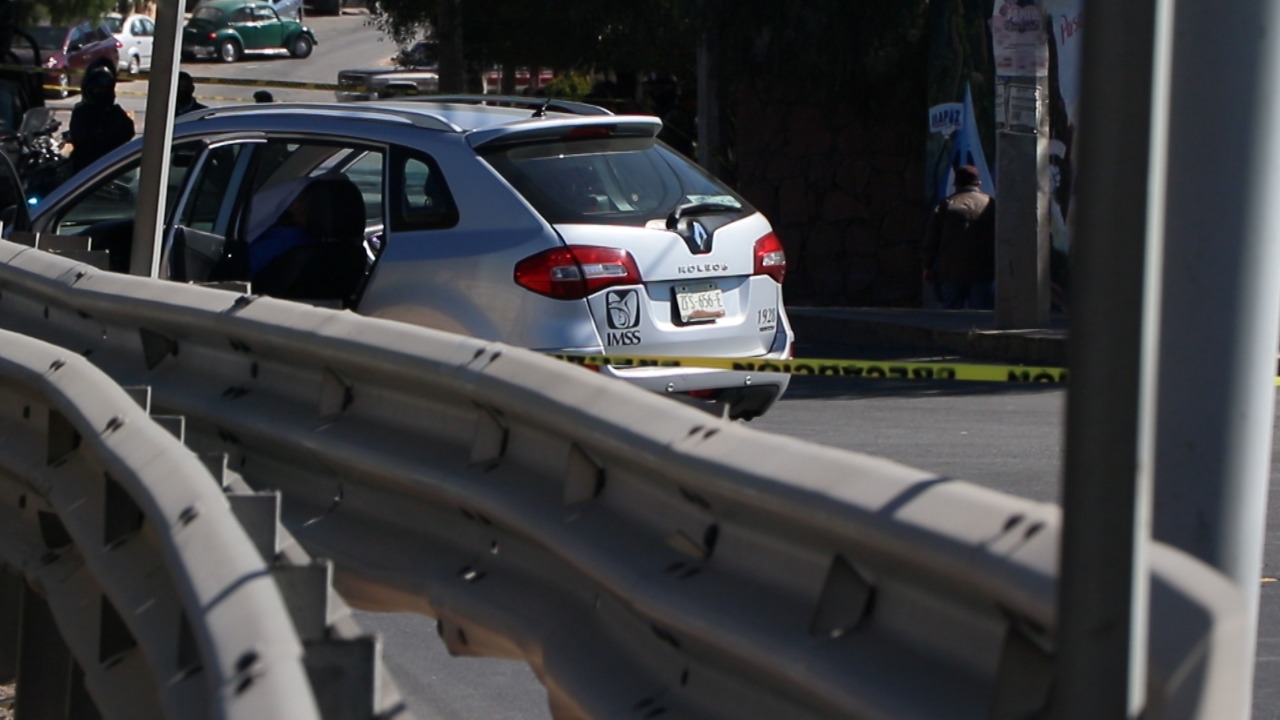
(493,80)
(67,52)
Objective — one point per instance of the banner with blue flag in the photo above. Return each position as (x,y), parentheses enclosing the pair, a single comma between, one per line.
(966,149)
(960,95)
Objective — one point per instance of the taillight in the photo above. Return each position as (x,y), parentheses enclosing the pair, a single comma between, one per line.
(770,259)
(576,271)
(119,44)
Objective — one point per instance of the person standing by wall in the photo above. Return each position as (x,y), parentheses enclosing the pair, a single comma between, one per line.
(959,248)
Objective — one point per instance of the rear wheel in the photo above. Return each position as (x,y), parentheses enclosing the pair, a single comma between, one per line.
(301,46)
(229,51)
(135,66)
(62,88)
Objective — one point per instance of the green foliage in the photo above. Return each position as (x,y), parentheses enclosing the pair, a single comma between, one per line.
(833,45)
(26,13)
(572,34)
(843,46)
(570,86)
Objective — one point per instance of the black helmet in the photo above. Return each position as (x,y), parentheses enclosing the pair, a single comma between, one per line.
(99,84)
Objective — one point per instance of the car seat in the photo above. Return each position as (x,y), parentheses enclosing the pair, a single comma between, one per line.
(331,267)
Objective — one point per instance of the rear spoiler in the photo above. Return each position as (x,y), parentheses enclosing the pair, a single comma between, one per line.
(547,129)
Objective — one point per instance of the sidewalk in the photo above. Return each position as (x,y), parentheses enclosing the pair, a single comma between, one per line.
(968,333)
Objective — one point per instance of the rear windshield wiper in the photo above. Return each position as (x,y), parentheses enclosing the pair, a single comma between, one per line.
(698,208)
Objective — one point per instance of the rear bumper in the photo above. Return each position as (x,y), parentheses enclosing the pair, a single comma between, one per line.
(736,394)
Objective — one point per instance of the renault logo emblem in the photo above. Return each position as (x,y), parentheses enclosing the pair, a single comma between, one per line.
(701,238)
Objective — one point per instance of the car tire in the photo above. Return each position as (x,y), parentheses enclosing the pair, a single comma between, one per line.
(229,51)
(62,89)
(300,47)
(135,66)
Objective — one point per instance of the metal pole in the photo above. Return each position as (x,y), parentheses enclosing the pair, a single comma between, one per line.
(1022,207)
(1103,596)
(157,136)
(1221,296)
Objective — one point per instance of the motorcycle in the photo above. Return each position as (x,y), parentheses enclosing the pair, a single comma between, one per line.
(36,149)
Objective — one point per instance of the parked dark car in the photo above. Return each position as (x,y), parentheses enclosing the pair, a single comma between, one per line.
(416,72)
(227,29)
(67,52)
(326,7)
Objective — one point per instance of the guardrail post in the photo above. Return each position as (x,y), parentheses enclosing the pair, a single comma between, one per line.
(11,588)
(44,663)
(344,676)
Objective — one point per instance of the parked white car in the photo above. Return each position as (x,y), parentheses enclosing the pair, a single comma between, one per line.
(567,233)
(136,35)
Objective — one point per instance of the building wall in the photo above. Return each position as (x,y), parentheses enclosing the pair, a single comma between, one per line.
(840,178)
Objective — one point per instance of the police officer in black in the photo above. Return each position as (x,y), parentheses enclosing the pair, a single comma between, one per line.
(98,124)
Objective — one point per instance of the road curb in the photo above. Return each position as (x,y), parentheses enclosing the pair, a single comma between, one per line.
(931,334)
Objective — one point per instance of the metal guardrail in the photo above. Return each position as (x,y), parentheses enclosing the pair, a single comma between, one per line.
(133,587)
(644,558)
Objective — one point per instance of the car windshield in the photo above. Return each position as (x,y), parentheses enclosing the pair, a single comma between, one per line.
(617,181)
(114,24)
(211,15)
(48,37)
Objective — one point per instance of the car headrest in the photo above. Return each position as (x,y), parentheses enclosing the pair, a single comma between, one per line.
(335,208)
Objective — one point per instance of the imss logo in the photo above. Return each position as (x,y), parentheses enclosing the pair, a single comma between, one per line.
(624,315)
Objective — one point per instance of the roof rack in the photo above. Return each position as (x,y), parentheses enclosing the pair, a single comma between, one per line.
(346,110)
(515,101)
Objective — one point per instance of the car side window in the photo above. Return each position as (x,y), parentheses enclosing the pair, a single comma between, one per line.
(241,16)
(283,167)
(211,202)
(424,201)
(146,28)
(115,197)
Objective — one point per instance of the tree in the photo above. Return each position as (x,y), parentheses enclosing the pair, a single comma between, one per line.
(25,13)
(578,35)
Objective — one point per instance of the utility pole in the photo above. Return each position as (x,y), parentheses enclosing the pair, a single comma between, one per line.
(1221,295)
(157,138)
(1022,150)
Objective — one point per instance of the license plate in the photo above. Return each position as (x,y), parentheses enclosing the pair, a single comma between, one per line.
(699,302)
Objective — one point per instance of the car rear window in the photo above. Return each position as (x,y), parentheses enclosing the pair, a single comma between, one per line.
(614,181)
(47,37)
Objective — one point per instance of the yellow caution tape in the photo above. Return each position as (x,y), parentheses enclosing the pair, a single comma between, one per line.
(889,370)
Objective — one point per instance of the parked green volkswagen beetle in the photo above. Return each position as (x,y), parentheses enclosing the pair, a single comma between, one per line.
(227,29)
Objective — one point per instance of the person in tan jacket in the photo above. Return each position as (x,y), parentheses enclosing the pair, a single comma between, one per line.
(958,252)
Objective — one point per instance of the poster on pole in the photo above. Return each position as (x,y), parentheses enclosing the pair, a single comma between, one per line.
(1016,39)
(1065,51)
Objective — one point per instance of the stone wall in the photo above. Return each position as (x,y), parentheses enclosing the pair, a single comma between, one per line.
(842,181)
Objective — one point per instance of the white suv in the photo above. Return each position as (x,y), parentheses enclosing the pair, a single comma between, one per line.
(564,233)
